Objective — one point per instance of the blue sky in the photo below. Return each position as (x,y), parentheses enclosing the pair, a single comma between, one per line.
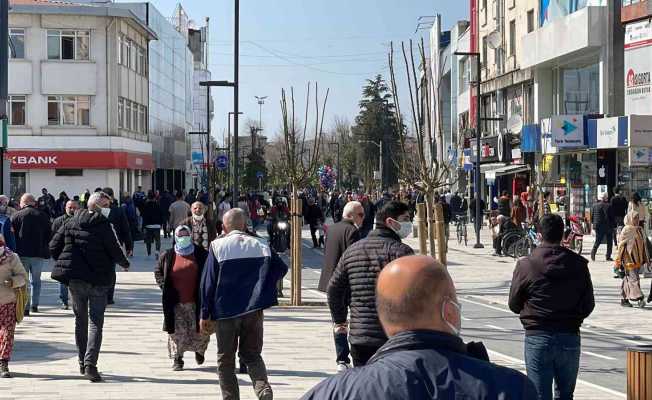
(338,43)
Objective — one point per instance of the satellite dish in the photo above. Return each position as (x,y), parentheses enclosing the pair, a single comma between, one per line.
(515,124)
(494,39)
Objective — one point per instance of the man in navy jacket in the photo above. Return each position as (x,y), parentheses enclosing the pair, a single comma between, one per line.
(424,357)
(238,283)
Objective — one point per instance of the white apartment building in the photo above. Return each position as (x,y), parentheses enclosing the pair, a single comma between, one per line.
(78,85)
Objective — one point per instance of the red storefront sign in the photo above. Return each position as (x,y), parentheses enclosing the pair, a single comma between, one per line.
(79,160)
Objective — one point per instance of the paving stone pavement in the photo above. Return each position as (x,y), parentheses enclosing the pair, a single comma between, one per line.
(298,349)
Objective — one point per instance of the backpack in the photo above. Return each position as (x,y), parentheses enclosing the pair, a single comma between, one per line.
(7,230)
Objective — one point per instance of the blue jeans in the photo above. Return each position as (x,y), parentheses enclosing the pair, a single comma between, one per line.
(553,356)
(34,266)
(63,293)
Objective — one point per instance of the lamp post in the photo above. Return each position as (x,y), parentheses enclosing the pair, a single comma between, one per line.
(261,103)
(339,185)
(380,166)
(228,145)
(478,191)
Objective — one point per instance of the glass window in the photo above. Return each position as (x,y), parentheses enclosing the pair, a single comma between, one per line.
(128,114)
(512,37)
(83,111)
(134,119)
(121,112)
(124,58)
(530,21)
(119,49)
(581,90)
(68,111)
(68,45)
(68,172)
(133,55)
(53,111)
(141,119)
(16,43)
(17,110)
(54,45)
(82,46)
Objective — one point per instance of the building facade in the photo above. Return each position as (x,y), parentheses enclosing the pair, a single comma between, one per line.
(78,107)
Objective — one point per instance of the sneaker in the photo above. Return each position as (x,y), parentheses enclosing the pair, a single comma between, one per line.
(649,298)
(266,394)
(64,306)
(625,303)
(90,372)
(641,303)
(34,309)
(199,358)
(177,365)
(4,369)
(342,367)
(609,259)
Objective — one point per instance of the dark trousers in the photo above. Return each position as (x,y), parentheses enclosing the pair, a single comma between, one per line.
(313,233)
(342,348)
(88,301)
(361,354)
(553,357)
(602,235)
(248,331)
(111,292)
(152,235)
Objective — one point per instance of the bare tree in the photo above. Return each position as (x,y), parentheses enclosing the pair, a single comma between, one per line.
(299,168)
(418,165)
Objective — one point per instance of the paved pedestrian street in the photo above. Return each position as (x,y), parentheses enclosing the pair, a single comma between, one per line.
(298,349)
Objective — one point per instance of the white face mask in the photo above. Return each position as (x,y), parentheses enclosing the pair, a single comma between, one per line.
(455,330)
(404,230)
(105,211)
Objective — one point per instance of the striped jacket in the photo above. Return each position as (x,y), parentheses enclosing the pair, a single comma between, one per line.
(239,277)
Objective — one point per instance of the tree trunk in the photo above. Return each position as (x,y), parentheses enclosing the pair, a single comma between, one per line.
(296,227)
(430,208)
(422,228)
(442,244)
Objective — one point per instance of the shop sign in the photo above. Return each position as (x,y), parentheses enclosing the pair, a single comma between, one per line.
(640,156)
(638,68)
(494,149)
(547,146)
(24,159)
(197,157)
(640,131)
(607,133)
(567,131)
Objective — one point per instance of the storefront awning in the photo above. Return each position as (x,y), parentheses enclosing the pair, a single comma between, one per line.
(507,170)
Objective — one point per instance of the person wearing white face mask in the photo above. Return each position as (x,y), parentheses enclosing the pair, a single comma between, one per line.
(204,230)
(178,274)
(86,249)
(356,274)
(424,357)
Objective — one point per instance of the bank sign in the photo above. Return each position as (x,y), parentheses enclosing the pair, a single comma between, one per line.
(638,68)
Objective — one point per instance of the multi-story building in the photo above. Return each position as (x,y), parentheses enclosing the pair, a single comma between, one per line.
(171,105)
(79,97)
(202,109)
(507,90)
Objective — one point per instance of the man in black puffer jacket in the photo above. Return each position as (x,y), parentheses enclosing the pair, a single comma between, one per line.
(356,273)
(86,250)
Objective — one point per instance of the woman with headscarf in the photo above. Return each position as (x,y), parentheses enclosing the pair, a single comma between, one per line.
(631,256)
(12,277)
(178,274)
(637,206)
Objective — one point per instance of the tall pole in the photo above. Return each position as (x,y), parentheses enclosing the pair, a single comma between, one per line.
(228,146)
(380,168)
(236,95)
(209,187)
(478,186)
(4,84)
(339,176)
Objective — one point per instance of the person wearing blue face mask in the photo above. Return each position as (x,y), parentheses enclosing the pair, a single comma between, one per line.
(178,274)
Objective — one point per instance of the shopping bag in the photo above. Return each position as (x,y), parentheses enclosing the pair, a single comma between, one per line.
(21,301)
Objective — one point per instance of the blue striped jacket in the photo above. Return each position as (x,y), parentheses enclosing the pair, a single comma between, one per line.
(239,277)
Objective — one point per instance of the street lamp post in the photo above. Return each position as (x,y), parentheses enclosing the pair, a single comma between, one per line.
(228,145)
(261,103)
(339,185)
(478,190)
(380,166)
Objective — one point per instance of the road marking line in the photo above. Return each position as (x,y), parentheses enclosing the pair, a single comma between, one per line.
(630,341)
(498,328)
(580,381)
(588,353)
(485,305)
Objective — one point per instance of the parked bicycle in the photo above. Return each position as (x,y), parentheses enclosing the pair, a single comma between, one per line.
(460,227)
